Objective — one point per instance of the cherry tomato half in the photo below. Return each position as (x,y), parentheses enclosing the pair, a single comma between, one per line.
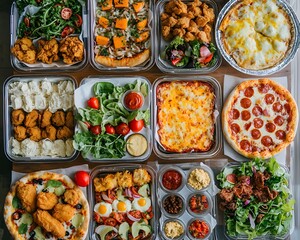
(96,130)
(27,21)
(66,13)
(110,129)
(110,222)
(67,31)
(122,129)
(175,61)
(136,125)
(93,102)
(82,178)
(78,22)
(208,59)
(87,124)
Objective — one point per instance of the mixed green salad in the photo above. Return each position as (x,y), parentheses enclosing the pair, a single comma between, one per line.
(49,18)
(256,199)
(105,121)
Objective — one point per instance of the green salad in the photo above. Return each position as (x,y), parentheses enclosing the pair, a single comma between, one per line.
(256,199)
(105,121)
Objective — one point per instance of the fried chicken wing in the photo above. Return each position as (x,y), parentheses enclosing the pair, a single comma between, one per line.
(64,133)
(20,133)
(72,197)
(63,212)
(35,133)
(24,50)
(49,223)
(141,176)
(58,118)
(46,200)
(31,119)
(208,12)
(46,118)
(27,195)
(124,179)
(72,50)
(201,35)
(17,117)
(70,120)
(48,51)
(189,37)
(49,132)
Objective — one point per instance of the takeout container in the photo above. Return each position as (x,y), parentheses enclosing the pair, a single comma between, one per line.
(85,91)
(7,125)
(186,217)
(55,66)
(92,43)
(161,44)
(294,45)
(216,147)
(102,171)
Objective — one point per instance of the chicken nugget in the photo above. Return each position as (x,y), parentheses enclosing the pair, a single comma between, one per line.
(201,35)
(58,118)
(207,30)
(109,182)
(189,37)
(64,133)
(46,200)
(46,118)
(20,133)
(124,179)
(71,49)
(183,22)
(72,197)
(49,223)
(48,51)
(49,132)
(17,117)
(141,177)
(24,50)
(35,133)
(27,195)
(70,120)
(31,119)
(201,21)
(208,12)
(63,212)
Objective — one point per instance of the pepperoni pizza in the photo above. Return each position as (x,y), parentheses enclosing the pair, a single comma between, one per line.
(259,118)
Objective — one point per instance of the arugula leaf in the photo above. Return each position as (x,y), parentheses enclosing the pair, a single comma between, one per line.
(53,183)
(22,229)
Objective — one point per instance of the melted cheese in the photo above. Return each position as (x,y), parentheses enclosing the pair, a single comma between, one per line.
(185,116)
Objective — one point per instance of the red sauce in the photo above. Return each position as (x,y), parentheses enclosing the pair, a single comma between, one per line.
(171,180)
(199,229)
(133,100)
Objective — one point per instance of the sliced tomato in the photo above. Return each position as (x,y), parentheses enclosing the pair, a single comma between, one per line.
(66,13)
(111,194)
(136,125)
(27,21)
(110,129)
(134,191)
(67,31)
(135,213)
(208,59)
(110,222)
(175,61)
(96,130)
(118,216)
(78,22)
(231,178)
(122,129)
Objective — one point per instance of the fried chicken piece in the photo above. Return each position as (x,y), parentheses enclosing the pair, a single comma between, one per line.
(46,200)
(35,133)
(24,50)
(170,22)
(164,16)
(63,212)
(17,117)
(70,120)
(31,119)
(189,15)
(64,133)
(46,118)
(183,22)
(49,223)
(71,49)
(141,177)
(176,6)
(201,21)
(189,37)
(124,179)
(178,32)
(48,51)
(109,182)
(49,132)
(194,9)
(20,133)
(58,118)
(27,195)
(208,13)
(193,28)
(201,35)
(207,30)
(72,197)
(166,33)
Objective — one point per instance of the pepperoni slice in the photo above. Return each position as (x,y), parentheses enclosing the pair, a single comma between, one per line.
(246,115)
(258,123)
(266,141)
(270,127)
(269,98)
(266,113)
(254,149)
(287,108)
(255,133)
(245,102)
(235,113)
(245,145)
(279,120)
(257,110)
(235,128)
(249,92)
(263,88)
(247,126)
(280,134)
(277,107)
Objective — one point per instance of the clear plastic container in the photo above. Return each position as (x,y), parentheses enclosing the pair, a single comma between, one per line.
(8,128)
(173,220)
(92,43)
(204,211)
(55,66)
(85,91)
(161,44)
(207,172)
(102,171)
(217,144)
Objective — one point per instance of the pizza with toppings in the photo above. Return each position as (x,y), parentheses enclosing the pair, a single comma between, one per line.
(46,205)
(259,118)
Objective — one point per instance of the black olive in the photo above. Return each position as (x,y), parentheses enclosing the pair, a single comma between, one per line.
(63,201)
(72,226)
(16,215)
(32,233)
(40,181)
(45,190)
(67,233)
(78,206)
(35,181)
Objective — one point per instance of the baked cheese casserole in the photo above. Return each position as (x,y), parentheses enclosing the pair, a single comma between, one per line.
(256,33)
(185,116)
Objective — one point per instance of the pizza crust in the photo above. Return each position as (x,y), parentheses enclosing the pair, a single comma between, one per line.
(292,124)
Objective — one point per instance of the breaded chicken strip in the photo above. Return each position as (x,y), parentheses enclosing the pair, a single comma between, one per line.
(124,179)
(141,176)
(49,132)
(46,119)
(46,200)
(17,117)
(27,195)
(70,120)
(49,223)
(58,118)
(72,197)
(20,133)
(35,133)
(63,212)
(64,133)
(107,183)
(32,119)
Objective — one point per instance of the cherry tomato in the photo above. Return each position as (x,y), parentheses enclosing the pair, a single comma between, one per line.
(67,31)
(66,13)
(110,222)
(96,130)
(93,102)
(208,59)
(175,61)
(122,129)
(136,125)
(27,21)
(231,178)
(110,129)
(82,178)
(78,22)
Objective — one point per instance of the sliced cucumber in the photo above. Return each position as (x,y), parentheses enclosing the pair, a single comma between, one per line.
(123,230)
(60,190)
(144,190)
(77,220)
(38,234)
(120,195)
